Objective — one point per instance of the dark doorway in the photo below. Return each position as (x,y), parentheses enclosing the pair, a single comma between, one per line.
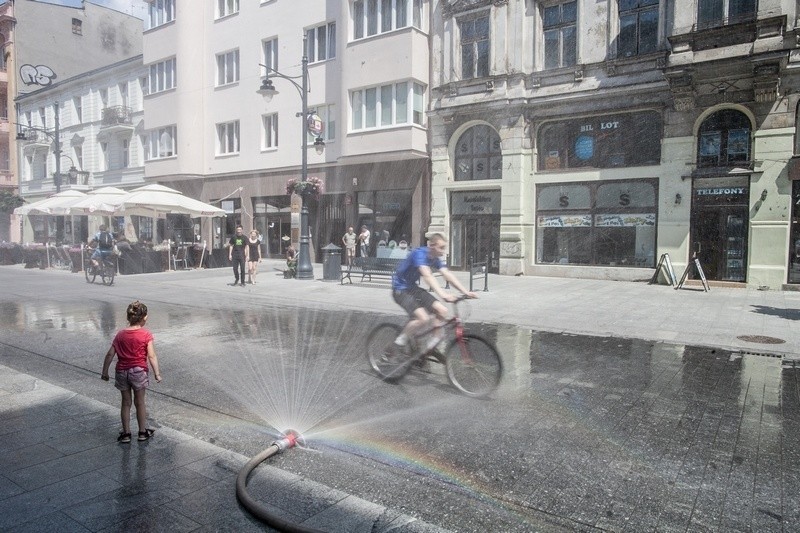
(719,237)
(476,239)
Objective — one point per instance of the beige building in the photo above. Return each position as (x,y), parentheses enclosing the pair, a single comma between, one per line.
(214,137)
(586,139)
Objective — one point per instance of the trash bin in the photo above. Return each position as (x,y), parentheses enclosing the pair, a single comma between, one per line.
(331,263)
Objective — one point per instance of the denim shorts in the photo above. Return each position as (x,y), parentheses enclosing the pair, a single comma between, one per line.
(135,378)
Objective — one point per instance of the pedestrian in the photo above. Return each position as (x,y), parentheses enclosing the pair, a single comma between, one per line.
(253,255)
(291,261)
(237,254)
(363,238)
(133,347)
(349,241)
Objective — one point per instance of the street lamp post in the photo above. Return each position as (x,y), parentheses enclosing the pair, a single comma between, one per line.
(304,268)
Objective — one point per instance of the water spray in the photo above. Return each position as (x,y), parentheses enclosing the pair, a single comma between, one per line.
(289,439)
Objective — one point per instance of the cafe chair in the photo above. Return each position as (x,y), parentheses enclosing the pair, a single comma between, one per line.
(180,257)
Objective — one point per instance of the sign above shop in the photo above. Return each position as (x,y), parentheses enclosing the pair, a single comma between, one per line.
(721,191)
(475,203)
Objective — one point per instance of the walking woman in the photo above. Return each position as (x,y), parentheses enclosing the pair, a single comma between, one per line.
(253,256)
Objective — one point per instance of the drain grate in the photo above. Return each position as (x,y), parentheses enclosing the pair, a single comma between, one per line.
(763,354)
(760,339)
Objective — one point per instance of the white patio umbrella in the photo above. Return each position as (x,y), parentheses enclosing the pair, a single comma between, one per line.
(155,199)
(57,204)
(102,201)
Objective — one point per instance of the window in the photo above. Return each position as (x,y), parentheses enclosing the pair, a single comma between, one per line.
(269,135)
(387,105)
(105,156)
(143,85)
(42,117)
(228,138)
(77,26)
(227,67)
(123,93)
(160,12)
(126,153)
(381,16)
(713,13)
(78,150)
(724,139)
(474,47)
(160,143)
(227,7)
(328,115)
(162,76)
(103,98)
(77,104)
(638,27)
(611,223)
(606,141)
(269,50)
(321,42)
(478,155)
(560,44)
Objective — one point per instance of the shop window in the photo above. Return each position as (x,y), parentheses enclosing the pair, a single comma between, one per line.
(597,224)
(474,47)
(724,139)
(609,141)
(638,27)
(478,155)
(559,23)
(387,215)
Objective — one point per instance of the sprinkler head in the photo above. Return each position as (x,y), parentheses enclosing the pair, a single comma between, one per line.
(290,439)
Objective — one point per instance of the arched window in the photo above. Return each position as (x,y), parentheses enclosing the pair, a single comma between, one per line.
(478,155)
(723,139)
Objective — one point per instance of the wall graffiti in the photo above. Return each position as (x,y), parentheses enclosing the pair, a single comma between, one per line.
(38,75)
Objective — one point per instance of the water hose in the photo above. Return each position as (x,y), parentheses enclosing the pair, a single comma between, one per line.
(289,440)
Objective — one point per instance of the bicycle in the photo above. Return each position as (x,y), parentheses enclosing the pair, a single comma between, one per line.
(472,363)
(106,269)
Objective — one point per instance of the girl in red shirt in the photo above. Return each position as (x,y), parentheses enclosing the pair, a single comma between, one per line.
(133,347)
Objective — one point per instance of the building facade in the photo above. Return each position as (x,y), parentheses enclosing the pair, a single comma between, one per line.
(98,117)
(43,45)
(586,139)
(213,137)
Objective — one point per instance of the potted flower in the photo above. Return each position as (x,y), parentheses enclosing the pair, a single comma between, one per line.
(313,187)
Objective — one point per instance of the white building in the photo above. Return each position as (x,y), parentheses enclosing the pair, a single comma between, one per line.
(99,127)
(213,137)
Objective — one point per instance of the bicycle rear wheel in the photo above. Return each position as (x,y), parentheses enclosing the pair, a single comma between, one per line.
(473,365)
(91,272)
(385,360)
(107,274)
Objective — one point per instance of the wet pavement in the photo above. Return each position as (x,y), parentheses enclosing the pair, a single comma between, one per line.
(586,432)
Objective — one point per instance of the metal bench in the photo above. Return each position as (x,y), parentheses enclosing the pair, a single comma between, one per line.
(370,267)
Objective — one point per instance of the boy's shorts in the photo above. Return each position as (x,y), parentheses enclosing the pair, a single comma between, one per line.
(135,378)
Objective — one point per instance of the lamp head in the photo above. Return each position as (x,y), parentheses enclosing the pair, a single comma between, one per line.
(267,90)
(319,145)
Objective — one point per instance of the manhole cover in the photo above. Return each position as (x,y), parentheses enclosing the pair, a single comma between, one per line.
(761,339)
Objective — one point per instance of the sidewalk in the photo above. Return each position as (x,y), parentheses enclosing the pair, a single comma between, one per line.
(58,472)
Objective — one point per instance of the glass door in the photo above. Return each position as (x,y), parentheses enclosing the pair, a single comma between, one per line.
(719,238)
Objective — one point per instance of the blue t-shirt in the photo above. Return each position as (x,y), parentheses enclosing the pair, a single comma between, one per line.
(407,273)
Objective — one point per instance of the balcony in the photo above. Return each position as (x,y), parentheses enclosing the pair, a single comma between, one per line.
(30,137)
(116,118)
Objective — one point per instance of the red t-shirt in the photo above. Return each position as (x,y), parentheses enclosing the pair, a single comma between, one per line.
(131,348)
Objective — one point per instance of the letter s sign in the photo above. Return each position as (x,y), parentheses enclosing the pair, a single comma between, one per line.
(563,200)
(624,199)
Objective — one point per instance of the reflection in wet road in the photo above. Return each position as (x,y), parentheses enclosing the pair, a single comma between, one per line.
(601,432)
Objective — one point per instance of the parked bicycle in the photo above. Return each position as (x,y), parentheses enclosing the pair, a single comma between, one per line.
(472,363)
(106,268)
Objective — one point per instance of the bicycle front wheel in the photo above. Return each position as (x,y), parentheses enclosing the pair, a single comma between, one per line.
(107,274)
(90,273)
(384,359)
(473,365)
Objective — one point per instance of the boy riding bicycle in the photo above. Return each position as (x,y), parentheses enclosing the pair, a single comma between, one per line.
(105,246)
(422,307)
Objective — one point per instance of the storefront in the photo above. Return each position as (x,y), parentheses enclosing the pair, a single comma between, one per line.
(719,226)
(474,229)
(794,239)
(609,223)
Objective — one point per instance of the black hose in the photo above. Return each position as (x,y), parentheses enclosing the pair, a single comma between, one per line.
(253,506)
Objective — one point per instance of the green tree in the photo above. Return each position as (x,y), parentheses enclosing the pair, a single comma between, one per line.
(9,201)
